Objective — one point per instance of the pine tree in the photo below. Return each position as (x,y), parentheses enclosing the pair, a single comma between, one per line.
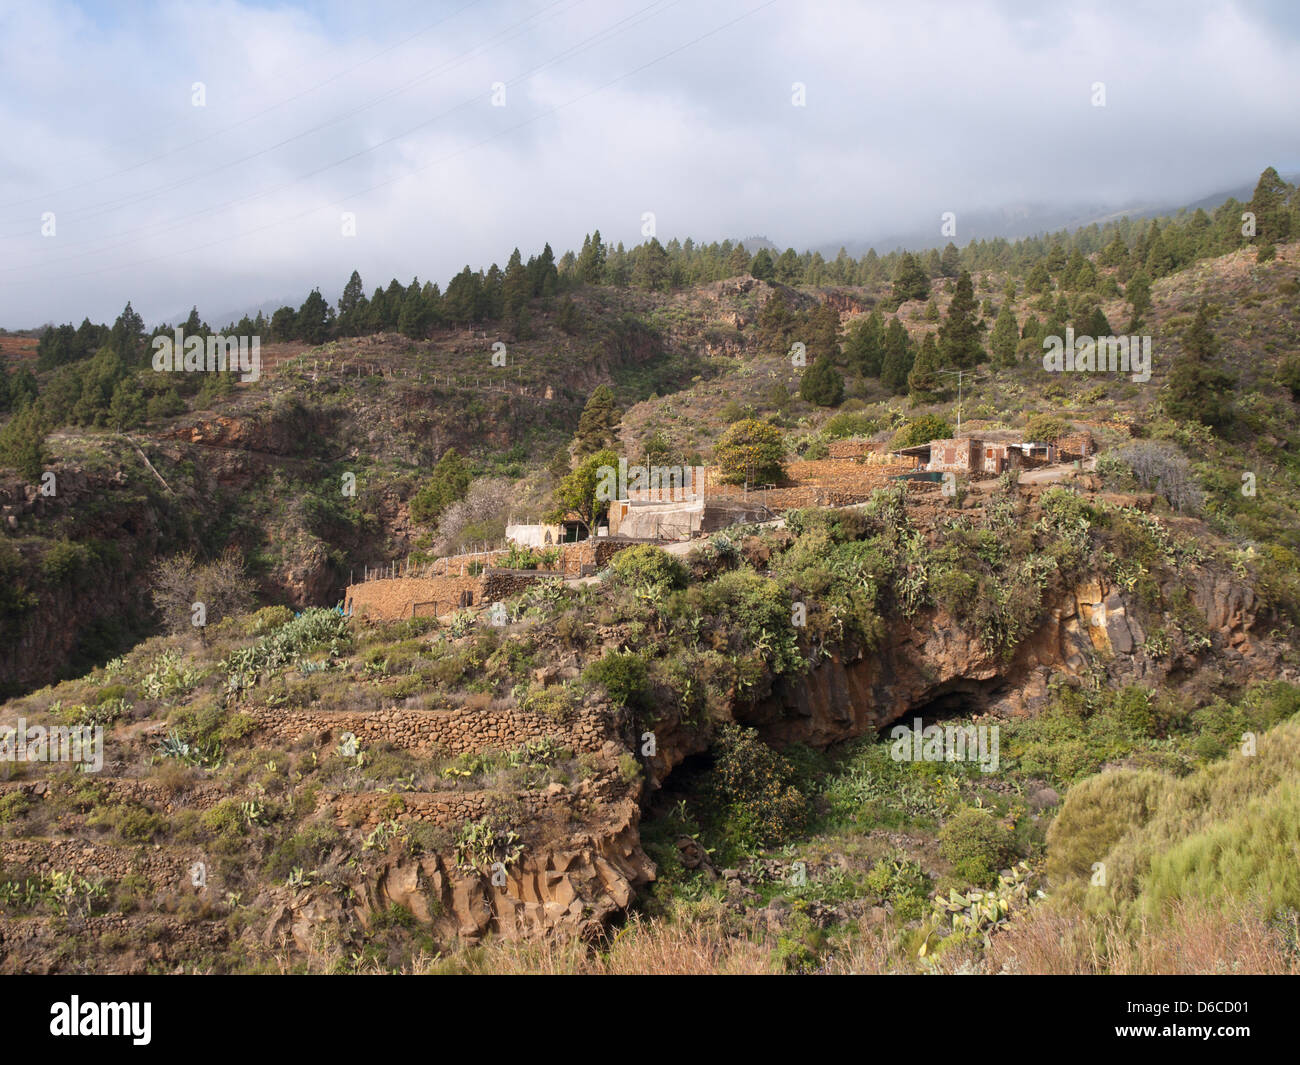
(789,270)
(127,335)
(824,333)
(126,410)
(1005,337)
(314,319)
(910,281)
(516,288)
(22,442)
(1272,216)
(1039,280)
(598,426)
(354,293)
(194,325)
(959,336)
(923,381)
(1199,388)
(865,349)
(412,320)
(738,262)
(353,307)
(1138,293)
(898,358)
(566,317)
(950,260)
(1160,260)
(651,269)
(1114,253)
(591,260)
(284,324)
(448,483)
(762,267)
(822,384)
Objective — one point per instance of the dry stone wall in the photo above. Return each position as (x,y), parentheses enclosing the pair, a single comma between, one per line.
(463,730)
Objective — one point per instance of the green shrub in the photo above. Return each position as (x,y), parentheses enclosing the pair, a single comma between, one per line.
(624,675)
(1046,428)
(756,786)
(267,619)
(751,451)
(901,882)
(921,431)
(977,845)
(648,570)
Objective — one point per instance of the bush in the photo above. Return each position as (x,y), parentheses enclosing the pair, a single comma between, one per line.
(921,431)
(648,570)
(756,785)
(977,845)
(1162,468)
(849,424)
(267,619)
(624,675)
(1046,428)
(751,451)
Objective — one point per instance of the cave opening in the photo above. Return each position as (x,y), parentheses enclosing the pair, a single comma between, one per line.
(963,699)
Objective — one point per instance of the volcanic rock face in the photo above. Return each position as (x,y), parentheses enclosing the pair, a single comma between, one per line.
(571,889)
(933,657)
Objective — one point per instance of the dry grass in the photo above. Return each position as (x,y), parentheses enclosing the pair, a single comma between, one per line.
(1194,939)
(641,947)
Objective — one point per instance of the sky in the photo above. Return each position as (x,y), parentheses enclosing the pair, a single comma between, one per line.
(180,153)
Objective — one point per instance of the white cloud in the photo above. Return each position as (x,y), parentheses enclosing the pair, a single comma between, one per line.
(912,110)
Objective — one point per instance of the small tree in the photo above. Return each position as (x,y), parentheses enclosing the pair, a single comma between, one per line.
(959,336)
(1199,388)
(921,431)
(222,586)
(898,358)
(598,426)
(450,482)
(822,384)
(1006,335)
(910,281)
(923,381)
(22,443)
(762,268)
(1138,293)
(580,493)
(751,452)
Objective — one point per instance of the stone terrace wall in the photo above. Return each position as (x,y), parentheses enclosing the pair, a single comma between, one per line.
(434,732)
(162,868)
(498,584)
(392,598)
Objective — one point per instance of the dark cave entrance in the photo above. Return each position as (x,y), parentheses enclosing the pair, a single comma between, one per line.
(955,700)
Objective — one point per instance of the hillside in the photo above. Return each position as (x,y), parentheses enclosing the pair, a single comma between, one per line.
(658,767)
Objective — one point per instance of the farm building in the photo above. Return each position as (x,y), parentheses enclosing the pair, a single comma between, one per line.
(977,457)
